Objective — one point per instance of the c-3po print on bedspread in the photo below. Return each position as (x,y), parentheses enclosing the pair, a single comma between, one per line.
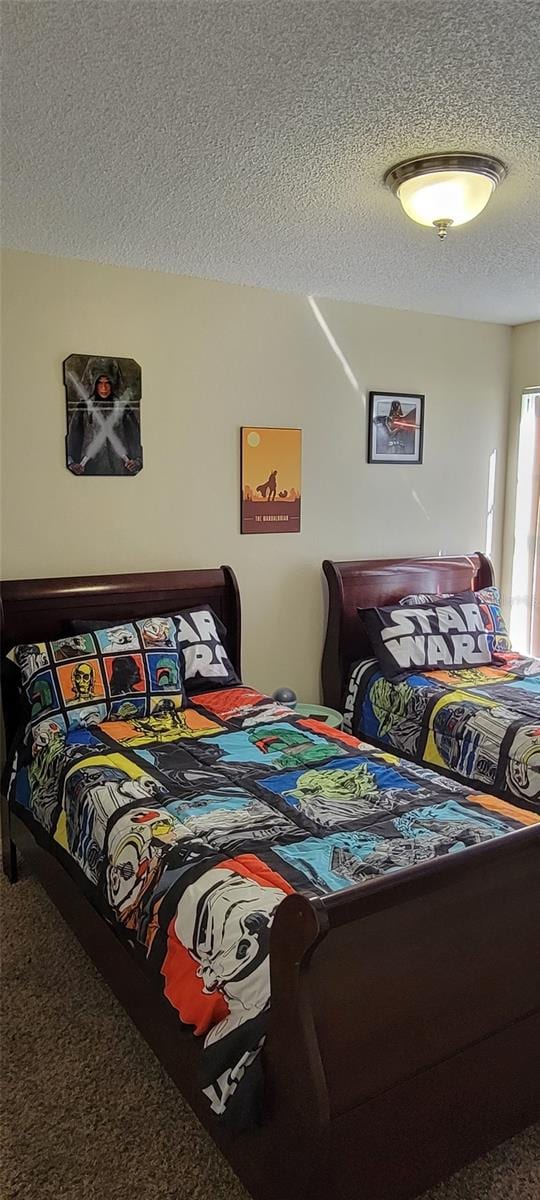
(190,826)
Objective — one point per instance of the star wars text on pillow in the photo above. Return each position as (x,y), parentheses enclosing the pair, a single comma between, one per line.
(199,639)
(432,636)
(413,643)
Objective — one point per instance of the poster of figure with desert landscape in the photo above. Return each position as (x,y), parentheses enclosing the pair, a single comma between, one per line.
(271,480)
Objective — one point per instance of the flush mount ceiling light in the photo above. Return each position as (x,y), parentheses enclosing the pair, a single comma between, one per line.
(445,189)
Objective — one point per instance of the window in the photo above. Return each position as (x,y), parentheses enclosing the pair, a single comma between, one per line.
(525,602)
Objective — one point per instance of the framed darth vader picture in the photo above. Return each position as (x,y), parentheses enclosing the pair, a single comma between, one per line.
(103,400)
(395,427)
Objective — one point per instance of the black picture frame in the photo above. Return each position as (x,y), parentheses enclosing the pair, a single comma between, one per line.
(395,452)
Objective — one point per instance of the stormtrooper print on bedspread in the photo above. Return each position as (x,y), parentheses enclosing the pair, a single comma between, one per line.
(190,826)
(480,724)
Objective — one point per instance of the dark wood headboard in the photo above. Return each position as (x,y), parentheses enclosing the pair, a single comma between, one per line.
(376,582)
(38,609)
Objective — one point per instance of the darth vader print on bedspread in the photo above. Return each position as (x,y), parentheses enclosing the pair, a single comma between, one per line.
(191,826)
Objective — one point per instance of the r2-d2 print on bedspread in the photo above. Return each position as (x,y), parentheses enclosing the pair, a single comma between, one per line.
(103,415)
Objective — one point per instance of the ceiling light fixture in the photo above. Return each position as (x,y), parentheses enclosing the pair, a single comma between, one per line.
(445,189)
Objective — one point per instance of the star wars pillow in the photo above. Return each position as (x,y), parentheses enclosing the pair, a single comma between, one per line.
(489,602)
(199,638)
(427,637)
(125,670)
(498,637)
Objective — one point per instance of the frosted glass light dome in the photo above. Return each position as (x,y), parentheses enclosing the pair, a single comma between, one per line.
(445,190)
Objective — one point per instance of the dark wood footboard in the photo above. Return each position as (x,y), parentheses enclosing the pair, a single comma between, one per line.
(417,1004)
(404,1035)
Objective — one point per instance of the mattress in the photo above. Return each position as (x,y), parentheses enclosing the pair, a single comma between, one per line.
(481,725)
(188,828)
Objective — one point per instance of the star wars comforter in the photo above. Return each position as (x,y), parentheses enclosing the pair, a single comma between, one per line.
(483,724)
(188,828)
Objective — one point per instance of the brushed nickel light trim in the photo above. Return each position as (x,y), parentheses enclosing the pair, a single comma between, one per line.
(410,168)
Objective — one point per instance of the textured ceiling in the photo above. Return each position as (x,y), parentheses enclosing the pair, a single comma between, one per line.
(246,141)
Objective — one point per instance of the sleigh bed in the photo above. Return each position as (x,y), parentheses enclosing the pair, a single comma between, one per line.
(478,725)
(404,1029)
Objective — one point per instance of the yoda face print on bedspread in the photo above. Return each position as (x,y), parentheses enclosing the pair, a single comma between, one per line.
(398,709)
(349,793)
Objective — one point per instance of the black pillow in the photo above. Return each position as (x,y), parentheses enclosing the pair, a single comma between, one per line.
(199,638)
(426,637)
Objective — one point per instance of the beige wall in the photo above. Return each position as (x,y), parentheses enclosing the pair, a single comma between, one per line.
(215,357)
(524,373)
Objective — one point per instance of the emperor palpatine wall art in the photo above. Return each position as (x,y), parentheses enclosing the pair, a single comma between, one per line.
(103,415)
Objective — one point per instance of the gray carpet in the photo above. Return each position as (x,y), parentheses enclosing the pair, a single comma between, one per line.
(89,1114)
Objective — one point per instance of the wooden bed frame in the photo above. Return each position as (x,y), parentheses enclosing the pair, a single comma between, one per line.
(404,1030)
(376,582)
